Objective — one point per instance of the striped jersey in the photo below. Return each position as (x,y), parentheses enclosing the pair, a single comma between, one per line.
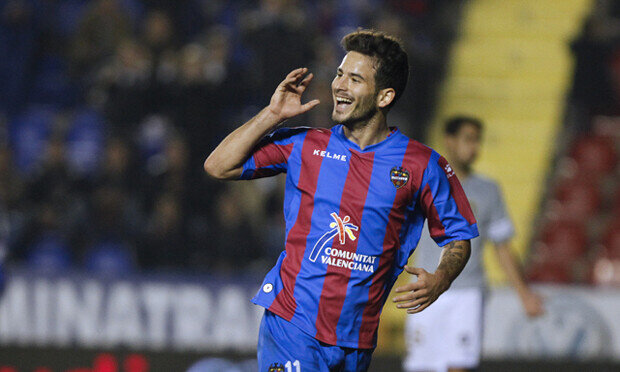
(494,224)
(353,218)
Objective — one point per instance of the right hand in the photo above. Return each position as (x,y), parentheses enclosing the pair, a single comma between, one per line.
(286,101)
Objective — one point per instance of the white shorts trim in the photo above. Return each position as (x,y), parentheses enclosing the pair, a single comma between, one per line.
(446,334)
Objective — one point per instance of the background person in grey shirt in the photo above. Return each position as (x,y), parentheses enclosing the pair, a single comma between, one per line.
(447,336)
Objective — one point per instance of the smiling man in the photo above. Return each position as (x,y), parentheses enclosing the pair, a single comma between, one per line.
(356,198)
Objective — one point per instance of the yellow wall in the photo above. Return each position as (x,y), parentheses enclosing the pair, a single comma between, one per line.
(512,67)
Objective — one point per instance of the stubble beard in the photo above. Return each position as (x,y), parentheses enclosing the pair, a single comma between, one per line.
(359,117)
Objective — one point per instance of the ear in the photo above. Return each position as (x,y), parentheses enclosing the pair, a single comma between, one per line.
(385,97)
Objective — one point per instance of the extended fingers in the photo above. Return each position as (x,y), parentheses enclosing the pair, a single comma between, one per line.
(410,295)
(296,72)
(295,76)
(419,308)
(414,270)
(304,83)
(309,105)
(412,304)
(410,287)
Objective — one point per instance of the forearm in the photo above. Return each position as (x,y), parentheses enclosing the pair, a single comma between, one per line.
(454,256)
(511,267)
(226,161)
(532,303)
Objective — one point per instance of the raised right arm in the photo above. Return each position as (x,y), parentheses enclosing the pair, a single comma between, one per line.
(226,161)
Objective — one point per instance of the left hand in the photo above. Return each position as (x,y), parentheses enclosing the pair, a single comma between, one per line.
(419,295)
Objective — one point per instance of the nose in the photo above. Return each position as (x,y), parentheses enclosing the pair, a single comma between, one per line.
(339,84)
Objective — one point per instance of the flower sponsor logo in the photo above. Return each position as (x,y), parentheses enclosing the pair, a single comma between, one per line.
(343,229)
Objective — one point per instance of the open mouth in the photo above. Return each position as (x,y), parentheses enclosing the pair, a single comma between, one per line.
(343,103)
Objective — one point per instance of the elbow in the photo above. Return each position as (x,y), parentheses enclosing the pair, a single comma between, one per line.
(467,250)
(212,169)
(215,170)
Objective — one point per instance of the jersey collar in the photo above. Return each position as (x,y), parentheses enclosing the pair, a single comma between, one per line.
(338,130)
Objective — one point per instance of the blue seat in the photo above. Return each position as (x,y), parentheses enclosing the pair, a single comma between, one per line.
(52,85)
(49,254)
(85,141)
(28,136)
(109,258)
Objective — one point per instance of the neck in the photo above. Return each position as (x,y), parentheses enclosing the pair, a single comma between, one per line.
(368,132)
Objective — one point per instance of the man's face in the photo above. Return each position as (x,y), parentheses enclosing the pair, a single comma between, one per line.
(353,89)
(463,147)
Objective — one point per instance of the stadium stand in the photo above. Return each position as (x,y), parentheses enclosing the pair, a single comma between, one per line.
(583,186)
(109,108)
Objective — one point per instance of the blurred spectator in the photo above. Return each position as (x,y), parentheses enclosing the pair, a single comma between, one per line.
(168,173)
(85,142)
(45,243)
(158,35)
(100,31)
(210,89)
(120,172)
(111,216)
(118,166)
(164,245)
(28,134)
(18,33)
(592,82)
(596,82)
(279,39)
(122,83)
(11,217)
(11,185)
(233,239)
(52,181)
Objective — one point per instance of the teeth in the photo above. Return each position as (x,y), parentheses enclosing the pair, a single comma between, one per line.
(343,100)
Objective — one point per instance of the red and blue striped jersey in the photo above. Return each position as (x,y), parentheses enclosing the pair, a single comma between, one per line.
(353,218)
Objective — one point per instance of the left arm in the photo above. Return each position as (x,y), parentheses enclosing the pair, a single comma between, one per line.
(451,220)
(532,302)
(422,293)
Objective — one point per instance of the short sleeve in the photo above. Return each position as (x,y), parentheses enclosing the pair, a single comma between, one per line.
(271,155)
(500,228)
(444,203)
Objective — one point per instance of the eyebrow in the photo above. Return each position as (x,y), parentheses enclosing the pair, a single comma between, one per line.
(352,74)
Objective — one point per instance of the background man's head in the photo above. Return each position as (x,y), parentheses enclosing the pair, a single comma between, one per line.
(371,77)
(463,135)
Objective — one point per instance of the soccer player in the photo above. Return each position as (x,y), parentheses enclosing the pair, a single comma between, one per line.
(356,198)
(448,335)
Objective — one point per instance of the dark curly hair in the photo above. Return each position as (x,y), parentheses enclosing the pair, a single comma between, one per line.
(392,66)
(455,123)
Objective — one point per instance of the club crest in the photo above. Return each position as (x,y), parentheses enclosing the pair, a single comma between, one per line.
(276,367)
(399,176)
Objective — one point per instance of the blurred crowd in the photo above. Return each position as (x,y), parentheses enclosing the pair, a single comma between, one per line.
(108,109)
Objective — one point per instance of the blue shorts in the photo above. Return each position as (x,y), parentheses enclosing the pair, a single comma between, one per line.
(283,347)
